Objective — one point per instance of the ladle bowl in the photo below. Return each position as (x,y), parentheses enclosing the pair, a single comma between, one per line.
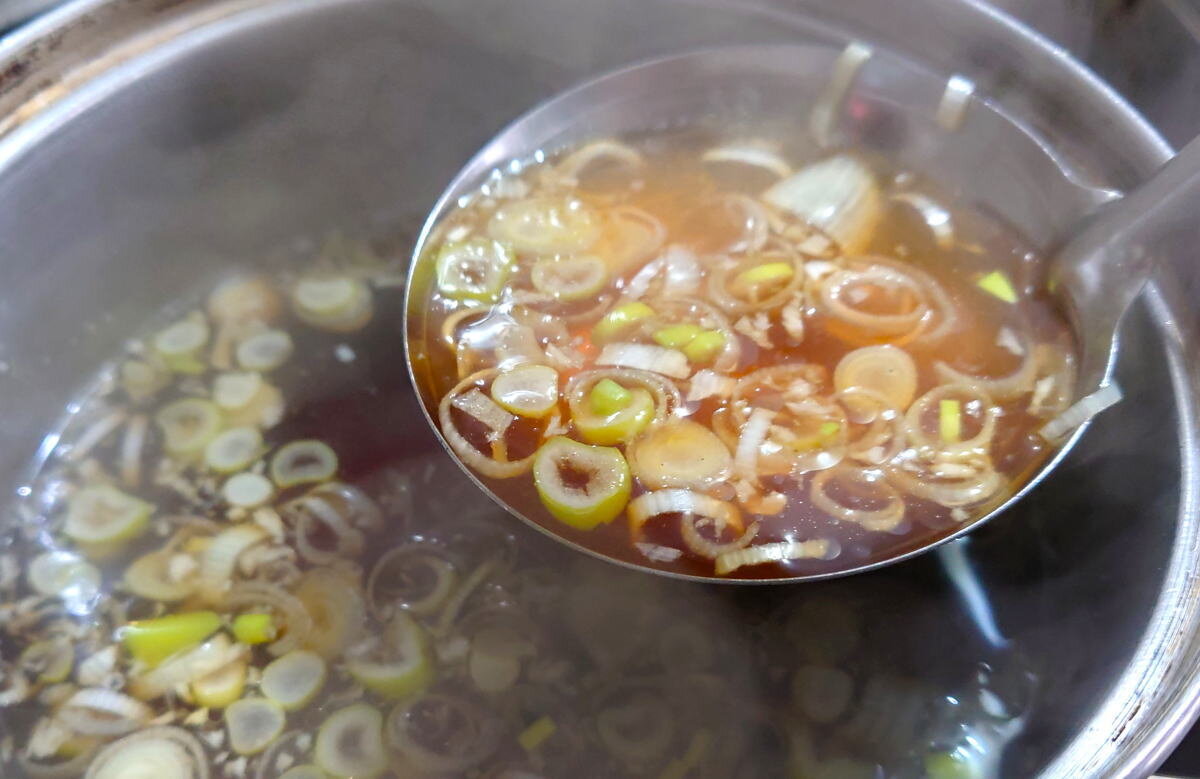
(919,120)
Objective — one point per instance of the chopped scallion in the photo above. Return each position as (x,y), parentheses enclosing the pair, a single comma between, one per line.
(533,736)
(619,320)
(705,346)
(254,628)
(607,397)
(677,336)
(950,420)
(767,274)
(998,284)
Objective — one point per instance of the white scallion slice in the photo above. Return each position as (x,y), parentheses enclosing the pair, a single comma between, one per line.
(527,390)
(679,453)
(495,660)
(754,153)
(264,351)
(142,381)
(294,679)
(838,195)
(779,552)
(546,225)
(222,687)
(49,660)
(246,399)
(154,753)
(337,304)
(105,515)
(336,608)
(233,449)
(241,300)
(248,490)
(569,278)
(99,711)
(150,576)
(64,575)
(658,359)
(303,462)
(399,665)
(350,742)
(253,723)
(188,425)
(219,561)
(886,370)
(181,345)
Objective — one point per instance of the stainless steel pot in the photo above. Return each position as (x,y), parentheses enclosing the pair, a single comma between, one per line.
(148,147)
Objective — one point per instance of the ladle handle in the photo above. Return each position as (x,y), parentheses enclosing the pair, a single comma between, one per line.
(1103,268)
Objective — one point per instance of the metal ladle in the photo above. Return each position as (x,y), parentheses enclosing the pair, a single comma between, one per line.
(1096,274)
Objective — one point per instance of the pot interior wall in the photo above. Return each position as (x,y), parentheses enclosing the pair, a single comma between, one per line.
(227,145)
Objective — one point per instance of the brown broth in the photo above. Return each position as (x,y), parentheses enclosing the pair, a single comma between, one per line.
(677,189)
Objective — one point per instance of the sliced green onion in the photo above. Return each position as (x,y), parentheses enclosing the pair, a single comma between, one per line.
(248,490)
(350,743)
(254,628)
(533,736)
(150,577)
(181,345)
(153,640)
(705,347)
(303,462)
(339,304)
(607,397)
(222,687)
(246,399)
(188,425)
(949,765)
(621,425)
(51,660)
(950,420)
(476,269)
(294,679)
(142,381)
(546,225)
(998,284)
(527,390)
(765,275)
(233,449)
(838,195)
(402,664)
(677,336)
(105,515)
(777,552)
(829,428)
(569,278)
(253,723)
(679,453)
(158,752)
(559,467)
(264,351)
(616,322)
(64,575)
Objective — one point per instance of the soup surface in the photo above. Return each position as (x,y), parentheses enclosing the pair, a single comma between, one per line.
(244,556)
(722,358)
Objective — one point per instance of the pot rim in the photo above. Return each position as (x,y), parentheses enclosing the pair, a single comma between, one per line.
(54,67)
